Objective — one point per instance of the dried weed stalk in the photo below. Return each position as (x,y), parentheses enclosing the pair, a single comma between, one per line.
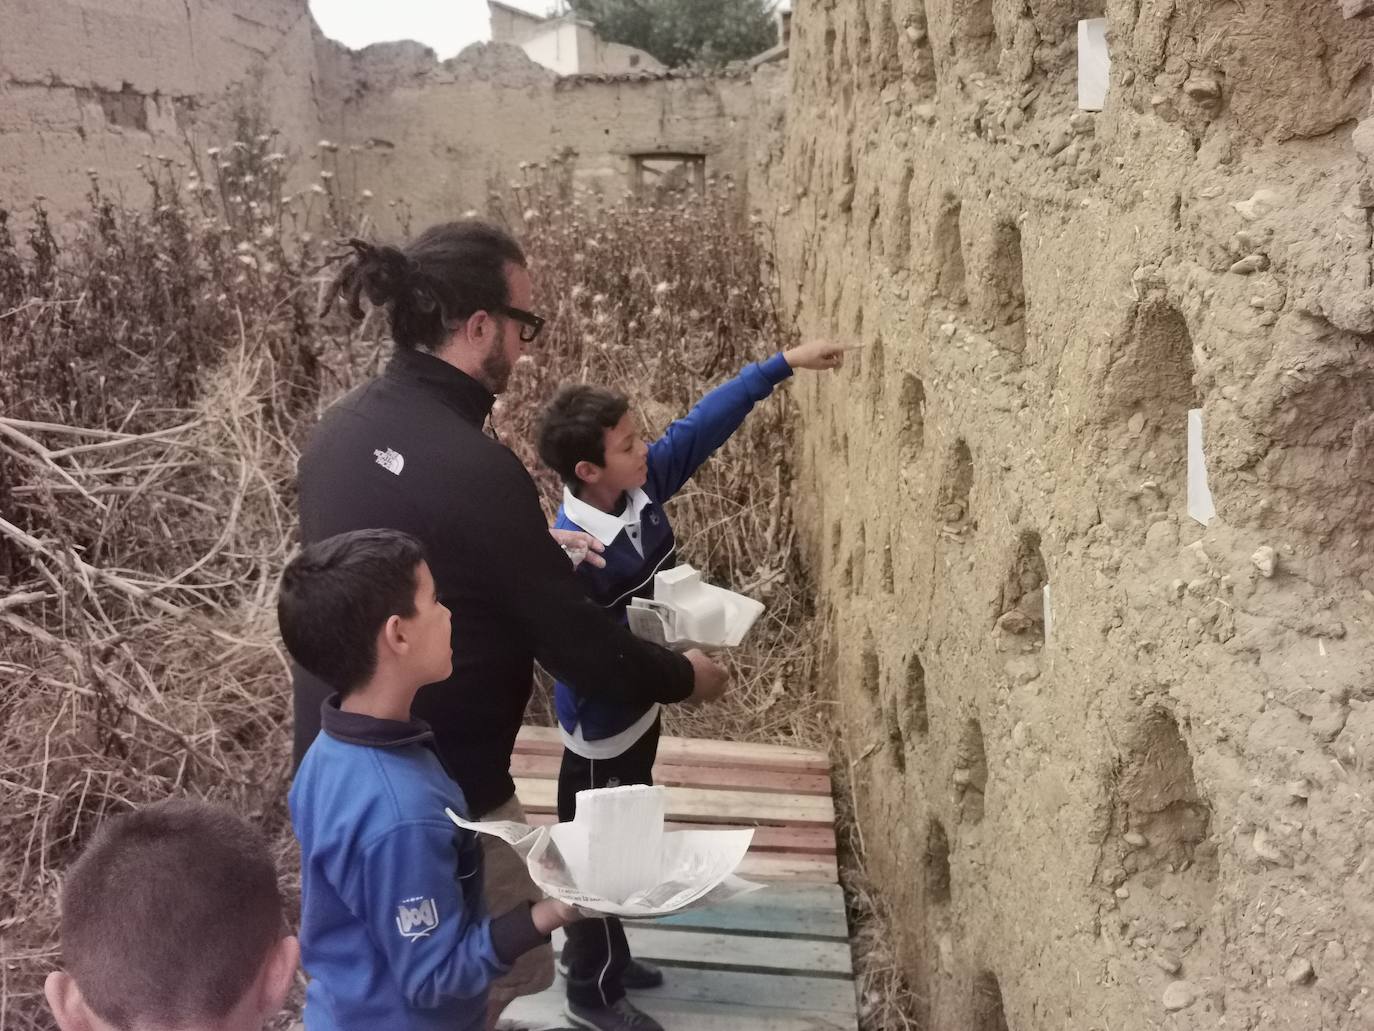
(159,368)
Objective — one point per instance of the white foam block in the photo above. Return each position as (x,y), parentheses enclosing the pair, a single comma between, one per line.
(1200,505)
(1049,616)
(623,829)
(1094,64)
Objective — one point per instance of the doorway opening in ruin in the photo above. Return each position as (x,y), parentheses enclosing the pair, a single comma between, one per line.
(949,252)
(1021,603)
(988,1012)
(971,773)
(1008,313)
(658,176)
(956,484)
(911,400)
(936,863)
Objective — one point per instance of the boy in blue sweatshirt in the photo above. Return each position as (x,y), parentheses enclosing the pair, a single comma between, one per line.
(614,488)
(393,932)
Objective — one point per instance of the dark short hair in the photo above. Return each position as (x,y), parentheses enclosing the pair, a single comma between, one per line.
(338,593)
(169,915)
(572,427)
(447,273)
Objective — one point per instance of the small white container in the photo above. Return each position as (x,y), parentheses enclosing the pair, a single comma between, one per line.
(700,613)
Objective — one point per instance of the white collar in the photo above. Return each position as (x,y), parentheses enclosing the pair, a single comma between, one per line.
(602,525)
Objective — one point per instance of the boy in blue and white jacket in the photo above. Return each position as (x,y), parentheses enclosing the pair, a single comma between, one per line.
(615,486)
(393,930)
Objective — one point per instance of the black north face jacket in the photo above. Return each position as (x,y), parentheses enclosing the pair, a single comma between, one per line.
(407,452)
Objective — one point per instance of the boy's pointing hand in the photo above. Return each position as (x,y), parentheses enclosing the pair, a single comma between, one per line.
(817,354)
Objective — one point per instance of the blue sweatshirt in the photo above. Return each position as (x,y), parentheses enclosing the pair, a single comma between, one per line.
(672,460)
(393,929)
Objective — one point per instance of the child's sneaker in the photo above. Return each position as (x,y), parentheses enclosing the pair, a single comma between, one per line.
(622,1015)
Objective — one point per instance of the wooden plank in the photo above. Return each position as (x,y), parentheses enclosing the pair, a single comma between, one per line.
(815,910)
(746,988)
(813,840)
(545,1010)
(723,951)
(672,775)
(777,866)
(685,751)
(705,805)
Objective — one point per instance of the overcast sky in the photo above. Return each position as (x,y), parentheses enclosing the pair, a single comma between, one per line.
(445,26)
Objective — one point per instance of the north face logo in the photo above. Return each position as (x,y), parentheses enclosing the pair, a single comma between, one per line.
(416,921)
(391,461)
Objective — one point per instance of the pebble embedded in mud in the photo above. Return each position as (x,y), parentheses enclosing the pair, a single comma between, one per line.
(1300,971)
(1179,995)
(1167,963)
(1135,839)
(1266,560)
(1250,264)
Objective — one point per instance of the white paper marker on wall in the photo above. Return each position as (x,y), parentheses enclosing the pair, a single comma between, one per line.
(1094,64)
(1199,494)
(1049,613)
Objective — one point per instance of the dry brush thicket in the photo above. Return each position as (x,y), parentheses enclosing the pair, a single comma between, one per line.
(160,366)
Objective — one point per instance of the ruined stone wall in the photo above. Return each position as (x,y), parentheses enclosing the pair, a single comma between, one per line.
(441,135)
(1148,807)
(95,85)
(85,84)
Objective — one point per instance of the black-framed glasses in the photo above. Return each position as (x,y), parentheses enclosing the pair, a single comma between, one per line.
(530,323)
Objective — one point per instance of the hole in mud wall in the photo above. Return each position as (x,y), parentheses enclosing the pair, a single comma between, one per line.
(859,558)
(936,863)
(870,673)
(889,579)
(887,62)
(836,537)
(971,773)
(975,36)
(1009,286)
(1021,607)
(896,743)
(917,715)
(913,42)
(873,368)
(912,400)
(988,1012)
(897,225)
(955,486)
(1169,858)
(949,251)
(1150,390)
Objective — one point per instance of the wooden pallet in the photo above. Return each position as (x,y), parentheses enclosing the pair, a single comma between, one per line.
(777,960)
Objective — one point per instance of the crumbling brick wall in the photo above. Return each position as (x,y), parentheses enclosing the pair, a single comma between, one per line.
(1146,803)
(88,85)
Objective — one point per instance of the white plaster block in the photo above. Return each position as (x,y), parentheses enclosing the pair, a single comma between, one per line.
(1094,64)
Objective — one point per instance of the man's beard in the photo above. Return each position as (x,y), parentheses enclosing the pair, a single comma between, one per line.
(496,369)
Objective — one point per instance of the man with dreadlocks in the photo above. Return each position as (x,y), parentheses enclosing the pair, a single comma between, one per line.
(406,451)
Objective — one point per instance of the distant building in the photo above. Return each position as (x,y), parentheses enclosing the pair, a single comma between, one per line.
(564,43)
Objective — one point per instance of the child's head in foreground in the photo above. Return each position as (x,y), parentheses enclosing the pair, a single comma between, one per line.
(171,921)
(588,435)
(361,607)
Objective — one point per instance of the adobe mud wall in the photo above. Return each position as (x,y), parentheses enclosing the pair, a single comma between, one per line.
(89,85)
(1149,806)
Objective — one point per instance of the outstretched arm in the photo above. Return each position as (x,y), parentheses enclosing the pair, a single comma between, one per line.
(689,441)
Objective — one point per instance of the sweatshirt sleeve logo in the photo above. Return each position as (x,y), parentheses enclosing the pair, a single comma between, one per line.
(392,461)
(416,917)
